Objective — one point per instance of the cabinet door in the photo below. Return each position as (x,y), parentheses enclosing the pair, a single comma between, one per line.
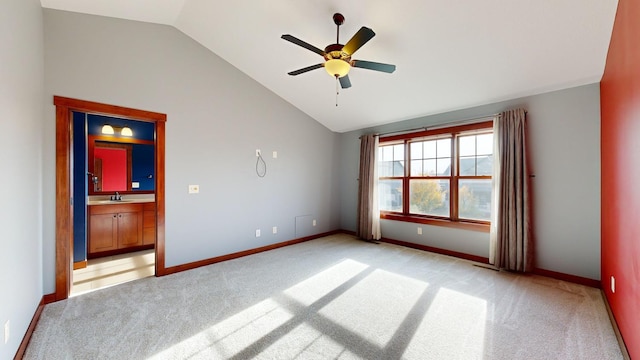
(149,231)
(129,229)
(103,232)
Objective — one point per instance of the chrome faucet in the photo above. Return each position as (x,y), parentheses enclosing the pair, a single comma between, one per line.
(116,197)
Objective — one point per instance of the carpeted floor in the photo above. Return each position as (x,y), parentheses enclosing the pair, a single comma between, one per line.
(331,298)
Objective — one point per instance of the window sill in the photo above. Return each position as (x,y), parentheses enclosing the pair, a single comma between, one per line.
(466,225)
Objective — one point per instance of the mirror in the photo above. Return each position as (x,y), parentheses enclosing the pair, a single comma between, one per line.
(119,162)
(119,166)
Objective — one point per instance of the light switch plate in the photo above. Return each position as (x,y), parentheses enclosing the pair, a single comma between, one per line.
(194,189)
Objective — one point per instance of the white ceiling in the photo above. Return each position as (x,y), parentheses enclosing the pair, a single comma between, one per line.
(449,54)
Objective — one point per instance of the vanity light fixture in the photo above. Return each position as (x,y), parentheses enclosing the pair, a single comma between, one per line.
(111,130)
(107,129)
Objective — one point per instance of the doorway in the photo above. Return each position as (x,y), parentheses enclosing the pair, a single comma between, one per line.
(65,185)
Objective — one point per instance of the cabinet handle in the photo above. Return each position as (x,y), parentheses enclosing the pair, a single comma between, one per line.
(114,215)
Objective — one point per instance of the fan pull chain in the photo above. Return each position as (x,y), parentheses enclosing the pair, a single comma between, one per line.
(337,90)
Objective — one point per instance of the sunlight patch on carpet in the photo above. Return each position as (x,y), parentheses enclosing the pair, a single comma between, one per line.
(378,317)
(452,328)
(304,342)
(312,289)
(232,335)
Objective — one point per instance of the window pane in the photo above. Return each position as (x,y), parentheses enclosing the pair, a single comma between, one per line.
(416,167)
(484,165)
(468,166)
(385,168)
(444,148)
(387,153)
(430,168)
(398,152)
(467,145)
(485,144)
(429,197)
(474,199)
(444,166)
(390,195)
(429,149)
(416,150)
(398,168)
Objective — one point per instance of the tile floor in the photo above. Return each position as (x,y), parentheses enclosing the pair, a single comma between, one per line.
(112,270)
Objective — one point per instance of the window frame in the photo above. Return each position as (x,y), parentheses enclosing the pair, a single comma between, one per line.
(454,132)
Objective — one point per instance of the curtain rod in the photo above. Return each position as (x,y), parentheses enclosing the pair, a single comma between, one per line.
(437,126)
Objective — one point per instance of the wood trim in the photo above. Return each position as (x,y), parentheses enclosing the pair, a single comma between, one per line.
(64,210)
(64,180)
(460,255)
(160,199)
(108,110)
(439,131)
(568,277)
(616,329)
(481,227)
(80,265)
(49,298)
(217,259)
(32,326)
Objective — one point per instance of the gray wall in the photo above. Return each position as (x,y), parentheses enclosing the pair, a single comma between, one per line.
(564,148)
(217,118)
(21,89)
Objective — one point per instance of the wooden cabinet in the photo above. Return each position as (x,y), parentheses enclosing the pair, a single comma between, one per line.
(149,224)
(115,226)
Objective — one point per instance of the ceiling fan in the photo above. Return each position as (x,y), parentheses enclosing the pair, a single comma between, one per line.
(337,57)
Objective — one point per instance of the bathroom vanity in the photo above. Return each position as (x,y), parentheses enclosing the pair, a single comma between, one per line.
(120,226)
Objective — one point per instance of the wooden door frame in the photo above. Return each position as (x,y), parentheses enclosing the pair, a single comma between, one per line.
(64,182)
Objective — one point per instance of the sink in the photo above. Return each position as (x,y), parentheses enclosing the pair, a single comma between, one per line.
(111,201)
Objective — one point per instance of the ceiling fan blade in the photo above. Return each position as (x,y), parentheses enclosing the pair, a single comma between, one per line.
(304,70)
(345,83)
(360,38)
(388,68)
(305,45)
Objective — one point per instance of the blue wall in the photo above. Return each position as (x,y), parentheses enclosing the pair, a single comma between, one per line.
(80,180)
(141,130)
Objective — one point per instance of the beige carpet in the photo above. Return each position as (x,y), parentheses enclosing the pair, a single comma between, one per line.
(331,298)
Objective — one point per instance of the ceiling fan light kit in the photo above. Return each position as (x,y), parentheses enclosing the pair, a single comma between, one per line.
(337,57)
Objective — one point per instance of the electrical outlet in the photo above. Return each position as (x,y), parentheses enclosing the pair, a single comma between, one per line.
(6,331)
(275,229)
(194,189)
(258,233)
(257,152)
(314,222)
(275,154)
(419,231)
(613,284)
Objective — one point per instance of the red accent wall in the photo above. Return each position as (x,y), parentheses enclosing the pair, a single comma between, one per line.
(620,150)
(114,168)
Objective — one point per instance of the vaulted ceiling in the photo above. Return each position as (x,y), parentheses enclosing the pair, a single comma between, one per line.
(449,54)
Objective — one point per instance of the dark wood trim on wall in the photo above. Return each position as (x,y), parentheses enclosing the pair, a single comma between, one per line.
(160,197)
(568,277)
(457,254)
(64,210)
(217,259)
(32,326)
(64,181)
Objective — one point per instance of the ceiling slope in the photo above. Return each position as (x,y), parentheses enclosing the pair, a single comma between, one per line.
(449,54)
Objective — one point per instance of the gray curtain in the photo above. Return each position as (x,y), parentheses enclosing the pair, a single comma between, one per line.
(511,240)
(368,211)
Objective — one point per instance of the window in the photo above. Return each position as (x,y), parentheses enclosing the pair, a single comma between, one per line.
(440,176)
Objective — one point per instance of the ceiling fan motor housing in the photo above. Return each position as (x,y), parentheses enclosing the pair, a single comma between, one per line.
(334,51)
